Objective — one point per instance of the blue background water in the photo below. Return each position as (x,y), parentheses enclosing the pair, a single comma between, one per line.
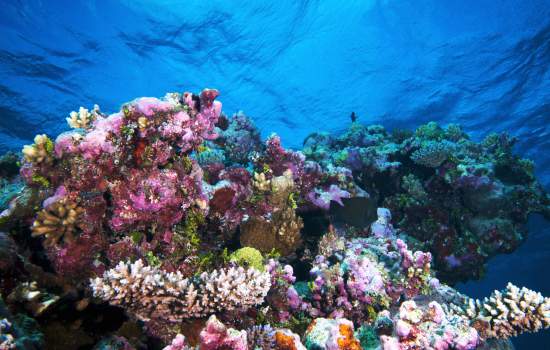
(296,68)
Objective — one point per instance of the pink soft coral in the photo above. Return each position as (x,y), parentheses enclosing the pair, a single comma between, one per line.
(217,336)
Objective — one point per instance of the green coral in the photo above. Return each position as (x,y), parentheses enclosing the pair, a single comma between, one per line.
(367,337)
(152,259)
(292,201)
(432,154)
(40,180)
(454,133)
(127,130)
(186,234)
(48,145)
(248,256)
(187,164)
(136,236)
(430,131)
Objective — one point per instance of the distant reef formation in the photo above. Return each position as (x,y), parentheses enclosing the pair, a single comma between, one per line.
(169,225)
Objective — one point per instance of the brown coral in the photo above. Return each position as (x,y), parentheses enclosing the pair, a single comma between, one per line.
(57,222)
(281,233)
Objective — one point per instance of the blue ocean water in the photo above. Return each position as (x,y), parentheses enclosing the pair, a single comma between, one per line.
(296,67)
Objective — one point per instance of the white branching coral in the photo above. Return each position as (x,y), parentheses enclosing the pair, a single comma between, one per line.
(151,293)
(83,118)
(508,313)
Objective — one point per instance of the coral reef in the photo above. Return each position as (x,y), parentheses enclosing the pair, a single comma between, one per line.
(170,225)
(464,201)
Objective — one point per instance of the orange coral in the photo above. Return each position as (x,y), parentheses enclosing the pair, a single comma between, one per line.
(348,341)
(284,341)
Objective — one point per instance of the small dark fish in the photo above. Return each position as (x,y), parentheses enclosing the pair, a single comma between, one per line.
(353,117)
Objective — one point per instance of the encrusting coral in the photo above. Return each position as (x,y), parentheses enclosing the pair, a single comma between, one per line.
(150,293)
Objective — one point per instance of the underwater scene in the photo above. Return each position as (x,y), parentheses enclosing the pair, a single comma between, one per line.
(274,175)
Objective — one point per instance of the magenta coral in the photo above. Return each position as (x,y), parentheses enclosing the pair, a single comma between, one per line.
(217,336)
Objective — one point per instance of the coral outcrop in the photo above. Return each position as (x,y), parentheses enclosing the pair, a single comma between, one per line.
(464,201)
(191,232)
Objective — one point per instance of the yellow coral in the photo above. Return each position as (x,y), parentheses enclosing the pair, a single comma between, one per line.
(39,152)
(248,256)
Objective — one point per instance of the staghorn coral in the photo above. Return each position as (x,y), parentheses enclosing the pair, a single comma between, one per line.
(58,222)
(260,182)
(507,313)
(150,293)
